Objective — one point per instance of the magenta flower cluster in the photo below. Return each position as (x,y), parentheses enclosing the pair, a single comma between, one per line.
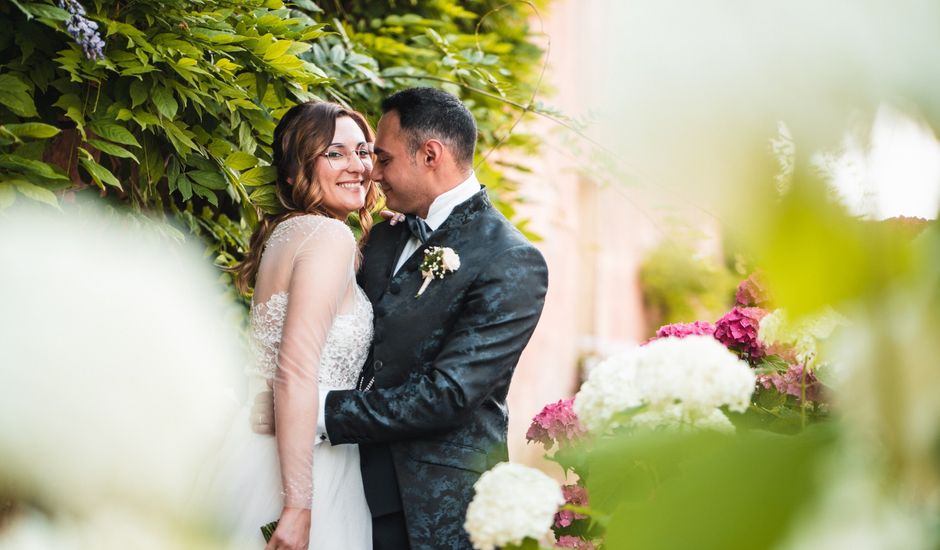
(681,330)
(575,495)
(557,423)
(568,541)
(752,292)
(791,382)
(738,331)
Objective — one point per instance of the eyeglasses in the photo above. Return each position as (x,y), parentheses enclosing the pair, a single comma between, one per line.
(341,159)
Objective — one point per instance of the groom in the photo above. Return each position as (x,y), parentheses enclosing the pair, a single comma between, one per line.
(434,417)
(430,413)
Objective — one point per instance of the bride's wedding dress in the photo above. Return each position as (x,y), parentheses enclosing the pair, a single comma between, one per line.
(311,319)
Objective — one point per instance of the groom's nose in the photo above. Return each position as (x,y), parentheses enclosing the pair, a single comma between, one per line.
(377,173)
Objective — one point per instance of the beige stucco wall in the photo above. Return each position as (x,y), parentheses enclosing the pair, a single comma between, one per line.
(594,238)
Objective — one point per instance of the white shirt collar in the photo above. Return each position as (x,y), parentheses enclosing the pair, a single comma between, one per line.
(445,203)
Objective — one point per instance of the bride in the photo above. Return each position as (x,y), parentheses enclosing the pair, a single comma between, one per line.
(311,327)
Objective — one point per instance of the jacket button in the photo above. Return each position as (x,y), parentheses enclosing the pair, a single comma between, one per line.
(378,366)
(394,288)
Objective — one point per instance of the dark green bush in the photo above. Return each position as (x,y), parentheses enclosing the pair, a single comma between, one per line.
(175,121)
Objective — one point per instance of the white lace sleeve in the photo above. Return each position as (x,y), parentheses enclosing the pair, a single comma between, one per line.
(322,278)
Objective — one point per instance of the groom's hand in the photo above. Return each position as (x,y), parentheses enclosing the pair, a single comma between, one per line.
(262,413)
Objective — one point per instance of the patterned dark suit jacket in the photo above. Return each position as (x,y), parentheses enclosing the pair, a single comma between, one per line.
(442,364)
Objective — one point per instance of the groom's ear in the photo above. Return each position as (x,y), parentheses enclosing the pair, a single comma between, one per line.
(433,153)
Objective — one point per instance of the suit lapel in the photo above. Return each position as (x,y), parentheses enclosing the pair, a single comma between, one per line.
(379,261)
(399,246)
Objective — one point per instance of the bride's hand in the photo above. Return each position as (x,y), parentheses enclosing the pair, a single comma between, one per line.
(392,217)
(293,530)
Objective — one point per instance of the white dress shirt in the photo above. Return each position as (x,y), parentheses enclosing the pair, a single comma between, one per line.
(438,213)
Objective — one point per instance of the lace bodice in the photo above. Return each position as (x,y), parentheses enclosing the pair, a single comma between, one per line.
(344,352)
(310,330)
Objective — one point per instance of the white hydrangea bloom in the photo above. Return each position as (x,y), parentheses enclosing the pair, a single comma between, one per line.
(511,502)
(610,389)
(675,418)
(696,373)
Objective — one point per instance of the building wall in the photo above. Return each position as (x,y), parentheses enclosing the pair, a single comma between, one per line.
(594,233)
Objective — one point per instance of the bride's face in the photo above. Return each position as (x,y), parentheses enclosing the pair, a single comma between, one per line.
(343,171)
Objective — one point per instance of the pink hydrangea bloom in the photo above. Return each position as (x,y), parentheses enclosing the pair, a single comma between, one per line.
(557,423)
(752,291)
(791,382)
(568,541)
(681,330)
(738,331)
(575,495)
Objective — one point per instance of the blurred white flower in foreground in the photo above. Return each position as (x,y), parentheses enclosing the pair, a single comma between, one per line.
(115,349)
(511,502)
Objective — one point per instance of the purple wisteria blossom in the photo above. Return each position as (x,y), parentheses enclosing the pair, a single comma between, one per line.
(83,30)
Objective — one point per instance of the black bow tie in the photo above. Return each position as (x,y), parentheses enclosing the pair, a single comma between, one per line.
(418,228)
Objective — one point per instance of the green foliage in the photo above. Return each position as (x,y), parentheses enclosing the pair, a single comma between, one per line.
(704,490)
(680,287)
(177,119)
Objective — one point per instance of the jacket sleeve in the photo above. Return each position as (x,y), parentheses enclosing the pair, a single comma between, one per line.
(500,312)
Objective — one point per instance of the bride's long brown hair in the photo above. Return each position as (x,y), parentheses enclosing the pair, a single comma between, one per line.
(303,134)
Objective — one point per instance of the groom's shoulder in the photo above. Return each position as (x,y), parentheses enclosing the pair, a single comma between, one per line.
(504,240)
(383,231)
(500,230)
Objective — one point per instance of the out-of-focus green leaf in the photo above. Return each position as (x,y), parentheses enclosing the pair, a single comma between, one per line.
(28,166)
(35,192)
(705,490)
(815,254)
(7,194)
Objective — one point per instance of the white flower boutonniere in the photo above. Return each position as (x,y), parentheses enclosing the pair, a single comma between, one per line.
(438,261)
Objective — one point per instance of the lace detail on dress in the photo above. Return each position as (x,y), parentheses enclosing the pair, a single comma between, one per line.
(282,232)
(347,346)
(266,322)
(344,352)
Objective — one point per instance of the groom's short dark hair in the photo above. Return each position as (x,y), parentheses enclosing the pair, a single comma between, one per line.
(428,113)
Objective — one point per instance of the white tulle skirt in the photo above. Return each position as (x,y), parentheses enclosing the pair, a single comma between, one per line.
(247,486)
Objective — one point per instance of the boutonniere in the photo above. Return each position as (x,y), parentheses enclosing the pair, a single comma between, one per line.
(438,261)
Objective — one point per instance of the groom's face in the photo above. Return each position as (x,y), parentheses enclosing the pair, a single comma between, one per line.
(397,171)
